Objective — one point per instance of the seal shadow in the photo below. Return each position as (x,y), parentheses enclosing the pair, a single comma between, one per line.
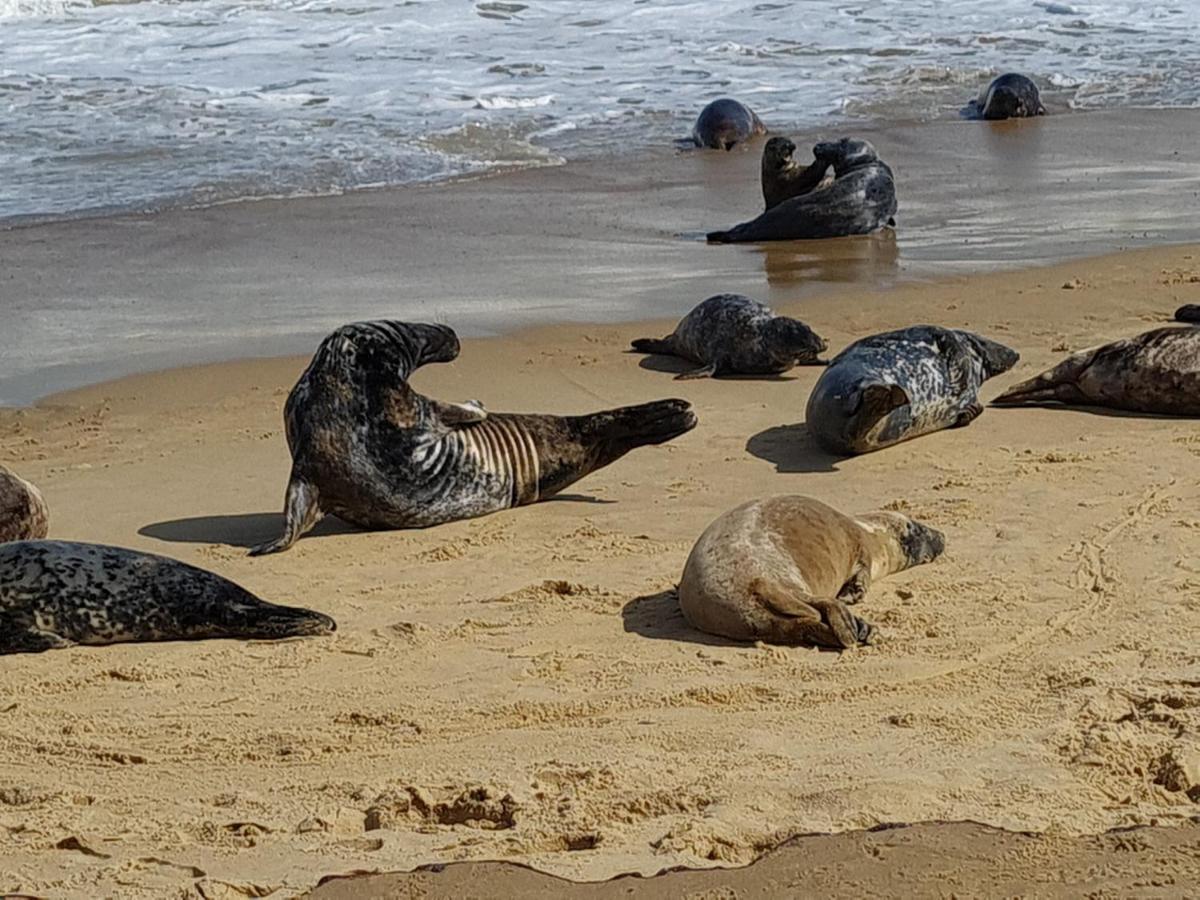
(574,498)
(792,449)
(1105,411)
(658,617)
(240,530)
(675,365)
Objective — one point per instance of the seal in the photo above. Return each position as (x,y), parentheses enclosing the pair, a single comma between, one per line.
(861,199)
(895,386)
(369,449)
(782,177)
(1189,312)
(730,334)
(1155,372)
(23,512)
(55,594)
(1010,96)
(783,570)
(725,123)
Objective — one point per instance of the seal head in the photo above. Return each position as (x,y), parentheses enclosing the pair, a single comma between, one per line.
(724,124)
(1010,96)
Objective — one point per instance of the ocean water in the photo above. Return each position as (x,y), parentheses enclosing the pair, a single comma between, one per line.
(115,106)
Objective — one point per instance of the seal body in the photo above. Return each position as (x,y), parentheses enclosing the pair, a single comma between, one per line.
(24,515)
(369,449)
(860,199)
(54,594)
(784,569)
(782,177)
(1010,96)
(1155,372)
(901,384)
(732,334)
(724,123)
(1189,312)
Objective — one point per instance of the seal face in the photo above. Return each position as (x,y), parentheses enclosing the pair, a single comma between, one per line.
(23,512)
(368,448)
(1010,96)
(783,570)
(782,177)
(1155,372)
(860,199)
(898,385)
(725,123)
(54,594)
(732,334)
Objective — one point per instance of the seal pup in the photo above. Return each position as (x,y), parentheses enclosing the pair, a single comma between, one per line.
(860,199)
(898,385)
(730,334)
(1010,96)
(55,594)
(1155,372)
(23,512)
(369,449)
(724,123)
(1189,312)
(783,569)
(783,177)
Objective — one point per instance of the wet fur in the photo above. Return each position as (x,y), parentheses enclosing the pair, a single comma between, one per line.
(24,515)
(782,177)
(1009,96)
(724,124)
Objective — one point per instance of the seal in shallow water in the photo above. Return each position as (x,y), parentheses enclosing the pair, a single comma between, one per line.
(371,450)
(23,512)
(1010,96)
(54,594)
(1155,372)
(782,177)
(724,123)
(730,334)
(783,569)
(898,385)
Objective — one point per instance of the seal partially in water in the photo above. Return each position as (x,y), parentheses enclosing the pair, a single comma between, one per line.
(860,199)
(1010,96)
(372,451)
(782,177)
(898,385)
(783,569)
(1155,372)
(725,123)
(730,334)
(23,512)
(54,594)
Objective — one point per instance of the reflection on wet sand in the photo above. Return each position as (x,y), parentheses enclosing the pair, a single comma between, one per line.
(870,258)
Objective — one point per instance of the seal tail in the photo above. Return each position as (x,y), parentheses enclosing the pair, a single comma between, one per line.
(653,345)
(1189,312)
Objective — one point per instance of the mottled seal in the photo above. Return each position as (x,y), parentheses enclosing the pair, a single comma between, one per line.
(783,569)
(369,449)
(54,594)
(23,512)
(1155,372)
(724,123)
(860,199)
(901,384)
(1189,312)
(782,177)
(730,334)
(1010,96)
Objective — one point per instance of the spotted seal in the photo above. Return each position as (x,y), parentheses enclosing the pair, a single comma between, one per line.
(730,334)
(860,199)
(55,594)
(783,569)
(782,177)
(369,449)
(1009,96)
(898,385)
(23,511)
(1155,372)
(724,123)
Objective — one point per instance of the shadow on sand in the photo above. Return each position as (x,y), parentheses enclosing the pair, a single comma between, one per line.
(792,449)
(658,617)
(240,530)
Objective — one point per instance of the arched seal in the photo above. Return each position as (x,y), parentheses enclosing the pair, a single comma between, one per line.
(371,450)
(1189,312)
(861,199)
(898,385)
(23,512)
(54,594)
(1010,96)
(782,177)
(724,123)
(1155,372)
(730,334)
(783,569)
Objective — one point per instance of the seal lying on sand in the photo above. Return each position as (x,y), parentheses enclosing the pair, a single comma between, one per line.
(371,450)
(861,199)
(898,385)
(54,594)
(1189,312)
(1155,372)
(783,569)
(23,512)
(782,177)
(1010,96)
(730,334)
(724,123)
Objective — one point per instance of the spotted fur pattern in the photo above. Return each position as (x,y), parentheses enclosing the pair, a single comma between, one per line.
(23,512)
(724,123)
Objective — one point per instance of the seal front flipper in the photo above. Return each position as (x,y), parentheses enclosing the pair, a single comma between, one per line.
(455,414)
(14,639)
(875,402)
(968,415)
(707,371)
(301,512)
(857,584)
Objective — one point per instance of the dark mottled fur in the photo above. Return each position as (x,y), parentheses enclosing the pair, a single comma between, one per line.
(782,177)
(1010,96)
(23,512)
(724,123)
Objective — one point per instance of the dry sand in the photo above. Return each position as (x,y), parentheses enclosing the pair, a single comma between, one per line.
(522,687)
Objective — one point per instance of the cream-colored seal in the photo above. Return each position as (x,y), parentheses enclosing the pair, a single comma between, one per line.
(24,515)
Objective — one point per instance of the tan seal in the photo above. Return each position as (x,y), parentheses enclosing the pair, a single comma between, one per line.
(783,569)
(24,515)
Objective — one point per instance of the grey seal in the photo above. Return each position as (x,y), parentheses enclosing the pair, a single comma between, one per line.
(1009,96)
(369,449)
(860,199)
(783,569)
(23,512)
(898,385)
(1189,312)
(782,177)
(55,594)
(730,334)
(1155,372)
(725,123)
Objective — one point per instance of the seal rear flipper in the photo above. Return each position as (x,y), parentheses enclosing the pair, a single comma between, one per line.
(720,237)
(875,402)
(1058,384)
(301,512)
(803,620)
(654,345)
